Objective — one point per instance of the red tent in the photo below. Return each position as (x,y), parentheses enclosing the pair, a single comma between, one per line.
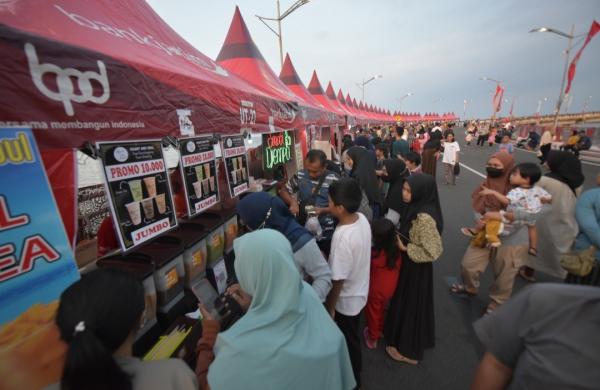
(240,56)
(316,90)
(290,78)
(84,71)
(344,104)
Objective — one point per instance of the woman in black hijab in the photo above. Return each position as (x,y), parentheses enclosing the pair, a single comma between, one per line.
(410,327)
(395,174)
(431,151)
(363,170)
(565,167)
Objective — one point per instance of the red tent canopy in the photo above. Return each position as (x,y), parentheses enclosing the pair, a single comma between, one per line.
(316,90)
(344,104)
(240,55)
(80,71)
(130,73)
(290,78)
(334,102)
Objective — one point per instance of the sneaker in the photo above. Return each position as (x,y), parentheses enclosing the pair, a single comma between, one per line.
(370,343)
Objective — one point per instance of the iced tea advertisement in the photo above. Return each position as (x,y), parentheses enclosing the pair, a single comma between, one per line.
(140,198)
(236,164)
(36,265)
(199,173)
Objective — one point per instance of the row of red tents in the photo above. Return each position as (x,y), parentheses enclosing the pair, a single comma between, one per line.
(113,70)
(429,116)
(240,55)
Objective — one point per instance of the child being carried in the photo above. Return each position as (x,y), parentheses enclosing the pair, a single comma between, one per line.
(525,196)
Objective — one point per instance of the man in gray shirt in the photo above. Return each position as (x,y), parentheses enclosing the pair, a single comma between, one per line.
(545,337)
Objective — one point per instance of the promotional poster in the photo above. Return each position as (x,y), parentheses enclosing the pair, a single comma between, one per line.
(36,265)
(199,173)
(139,191)
(236,164)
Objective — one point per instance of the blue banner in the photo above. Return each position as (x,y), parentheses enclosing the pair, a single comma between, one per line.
(36,260)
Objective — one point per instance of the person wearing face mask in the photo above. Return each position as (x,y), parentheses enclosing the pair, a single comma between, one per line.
(513,253)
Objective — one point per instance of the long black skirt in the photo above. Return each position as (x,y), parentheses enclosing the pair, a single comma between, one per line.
(429,162)
(410,323)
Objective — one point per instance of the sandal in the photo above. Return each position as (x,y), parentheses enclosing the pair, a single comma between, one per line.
(527,273)
(460,289)
(468,232)
(393,353)
(532,252)
(491,307)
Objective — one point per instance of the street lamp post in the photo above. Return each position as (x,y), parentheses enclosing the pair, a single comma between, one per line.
(362,85)
(400,100)
(585,106)
(561,95)
(278,19)
(539,107)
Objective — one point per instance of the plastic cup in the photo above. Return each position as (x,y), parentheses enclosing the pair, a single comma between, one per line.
(240,162)
(205,186)
(211,180)
(198,169)
(198,189)
(234,178)
(206,171)
(135,215)
(234,162)
(244,174)
(161,203)
(150,183)
(135,186)
(148,206)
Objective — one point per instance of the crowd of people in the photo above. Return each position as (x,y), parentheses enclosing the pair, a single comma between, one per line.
(358,239)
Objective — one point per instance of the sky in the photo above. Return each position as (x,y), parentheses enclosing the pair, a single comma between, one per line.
(436,49)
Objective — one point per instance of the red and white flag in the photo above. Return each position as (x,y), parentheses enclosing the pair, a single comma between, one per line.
(497,101)
(573,66)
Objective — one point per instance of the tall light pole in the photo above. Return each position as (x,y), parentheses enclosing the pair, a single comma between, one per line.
(539,107)
(585,106)
(402,99)
(561,95)
(365,82)
(465,104)
(497,83)
(278,19)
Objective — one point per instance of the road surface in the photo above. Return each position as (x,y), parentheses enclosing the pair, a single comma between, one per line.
(451,364)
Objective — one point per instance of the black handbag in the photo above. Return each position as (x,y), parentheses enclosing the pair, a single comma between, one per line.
(307,206)
(456,169)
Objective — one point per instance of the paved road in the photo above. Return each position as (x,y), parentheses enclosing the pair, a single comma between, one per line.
(450,365)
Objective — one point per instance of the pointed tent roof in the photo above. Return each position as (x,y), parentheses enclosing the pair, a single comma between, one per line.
(290,78)
(315,89)
(330,93)
(241,56)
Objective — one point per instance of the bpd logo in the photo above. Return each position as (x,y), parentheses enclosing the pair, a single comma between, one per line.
(64,81)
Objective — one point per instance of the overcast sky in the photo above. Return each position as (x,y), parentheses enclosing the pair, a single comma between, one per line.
(436,49)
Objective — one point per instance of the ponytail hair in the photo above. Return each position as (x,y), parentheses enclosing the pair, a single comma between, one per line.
(95,316)
(384,239)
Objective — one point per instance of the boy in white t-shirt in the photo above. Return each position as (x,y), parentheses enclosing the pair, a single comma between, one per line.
(451,149)
(350,262)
